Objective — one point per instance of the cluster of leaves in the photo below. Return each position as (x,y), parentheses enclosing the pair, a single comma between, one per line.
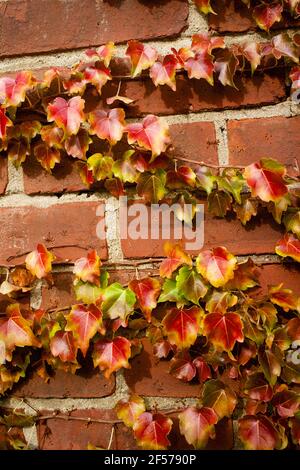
(265,13)
(206,316)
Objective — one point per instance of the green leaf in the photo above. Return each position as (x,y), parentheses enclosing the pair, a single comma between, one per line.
(118,302)
(152,186)
(101,166)
(190,284)
(170,293)
(87,292)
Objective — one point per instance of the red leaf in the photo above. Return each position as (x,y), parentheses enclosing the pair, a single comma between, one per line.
(13,90)
(88,268)
(164,73)
(265,179)
(200,66)
(202,368)
(47,156)
(97,76)
(151,134)
(223,330)
(84,322)
(78,145)
(289,245)
(182,326)
(62,346)
(151,431)
(176,257)
(111,356)
(147,291)
(39,261)
(182,368)
(216,265)
(257,433)
(197,425)
(266,15)
(287,403)
(68,115)
(108,125)
(4,123)
(142,57)
(103,53)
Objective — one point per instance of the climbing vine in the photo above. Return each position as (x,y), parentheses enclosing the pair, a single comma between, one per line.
(206,316)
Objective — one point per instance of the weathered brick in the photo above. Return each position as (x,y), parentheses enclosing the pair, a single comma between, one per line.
(193,95)
(259,237)
(275,137)
(3,175)
(234,17)
(273,274)
(71,228)
(150,377)
(51,25)
(86,383)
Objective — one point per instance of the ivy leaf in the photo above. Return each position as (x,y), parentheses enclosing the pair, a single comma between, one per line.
(257,433)
(87,292)
(151,186)
(17,151)
(151,134)
(164,73)
(151,431)
(200,66)
(175,257)
(216,265)
(197,425)
(219,203)
(204,6)
(84,322)
(108,125)
(223,330)
(147,291)
(284,298)
(292,222)
(220,302)
(246,210)
(265,179)
(100,165)
(219,397)
(118,302)
(289,245)
(232,182)
(258,388)
(142,57)
(87,269)
(13,90)
(62,345)
(97,76)
(111,355)
(245,276)
(267,15)
(78,145)
(181,178)
(182,368)
(283,46)
(68,115)
(39,261)
(190,284)
(130,410)
(286,402)
(4,123)
(252,52)
(15,330)
(123,168)
(205,179)
(270,364)
(103,53)
(47,156)
(202,368)
(226,65)
(182,326)
(115,187)
(170,293)
(53,136)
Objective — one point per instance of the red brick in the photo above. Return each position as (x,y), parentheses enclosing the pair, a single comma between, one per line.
(60,294)
(3,175)
(72,226)
(197,95)
(234,17)
(51,25)
(273,274)
(149,377)
(196,141)
(259,237)
(275,137)
(86,383)
(64,177)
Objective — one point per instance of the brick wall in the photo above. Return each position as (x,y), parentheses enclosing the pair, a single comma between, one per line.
(210,124)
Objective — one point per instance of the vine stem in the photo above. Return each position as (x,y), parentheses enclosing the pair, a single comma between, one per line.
(210,165)
(79,418)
